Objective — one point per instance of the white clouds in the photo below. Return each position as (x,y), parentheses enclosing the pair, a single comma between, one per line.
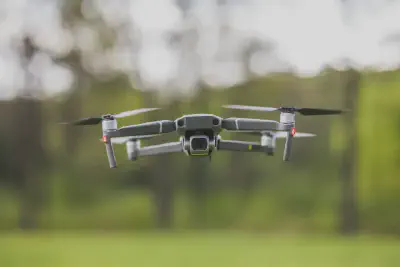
(41,20)
(155,16)
(86,38)
(11,74)
(157,64)
(307,35)
(49,76)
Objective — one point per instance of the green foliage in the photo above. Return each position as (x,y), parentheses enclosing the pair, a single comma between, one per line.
(243,191)
(379,142)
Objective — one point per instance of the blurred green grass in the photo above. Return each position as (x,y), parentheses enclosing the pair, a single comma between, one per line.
(193,249)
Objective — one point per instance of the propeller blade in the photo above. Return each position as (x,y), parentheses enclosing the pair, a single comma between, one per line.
(88,121)
(256,108)
(303,111)
(318,111)
(134,112)
(97,120)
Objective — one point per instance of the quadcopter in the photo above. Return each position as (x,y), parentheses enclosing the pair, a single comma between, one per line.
(199,134)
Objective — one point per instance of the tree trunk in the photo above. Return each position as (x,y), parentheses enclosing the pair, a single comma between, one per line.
(160,173)
(28,146)
(71,108)
(349,217)
(29,162)
(198,178)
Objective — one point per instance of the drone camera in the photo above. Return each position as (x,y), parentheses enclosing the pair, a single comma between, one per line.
(199,145)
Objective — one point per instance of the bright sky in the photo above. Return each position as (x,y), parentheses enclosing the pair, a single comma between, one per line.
(307,34)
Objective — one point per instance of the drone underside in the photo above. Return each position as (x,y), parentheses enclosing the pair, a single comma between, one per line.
(202,145)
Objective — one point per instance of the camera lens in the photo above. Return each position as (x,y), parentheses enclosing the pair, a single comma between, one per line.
(199,144)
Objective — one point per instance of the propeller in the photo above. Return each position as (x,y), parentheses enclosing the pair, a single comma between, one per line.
(303,111)
(97,120)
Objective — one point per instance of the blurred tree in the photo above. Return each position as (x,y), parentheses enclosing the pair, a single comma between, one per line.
(243,173)
(4,159)
(29,160)
(71,107)
(349,211)
(161,175)
(6,147)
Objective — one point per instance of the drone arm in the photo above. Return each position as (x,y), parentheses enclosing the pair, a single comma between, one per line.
(149,128)
(288,147)
(110,152)
(172,147)
(242,124)
(233,145)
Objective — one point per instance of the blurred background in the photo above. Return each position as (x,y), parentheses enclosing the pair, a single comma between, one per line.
(61,205)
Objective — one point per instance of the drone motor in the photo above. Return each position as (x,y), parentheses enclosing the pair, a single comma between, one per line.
(287,118)
(109,124)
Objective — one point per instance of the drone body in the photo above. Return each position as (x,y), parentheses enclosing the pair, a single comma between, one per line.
(199,134)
